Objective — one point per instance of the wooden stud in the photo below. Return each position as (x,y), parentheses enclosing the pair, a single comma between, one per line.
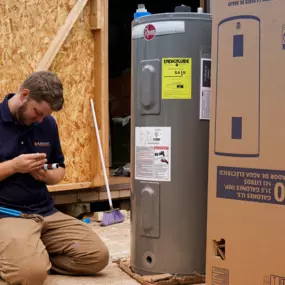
(95,14)
(117,183)
(69,186)
(101,92)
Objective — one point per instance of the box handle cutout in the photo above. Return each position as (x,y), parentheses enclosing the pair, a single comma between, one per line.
(238,44)
(237,128)
(220,248)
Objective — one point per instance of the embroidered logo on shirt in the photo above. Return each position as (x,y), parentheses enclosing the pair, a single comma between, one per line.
(42,144)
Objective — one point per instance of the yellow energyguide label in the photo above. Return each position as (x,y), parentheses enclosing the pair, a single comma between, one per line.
(176,78)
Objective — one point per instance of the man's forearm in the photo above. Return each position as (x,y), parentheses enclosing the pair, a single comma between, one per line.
(54,176)
(6,169)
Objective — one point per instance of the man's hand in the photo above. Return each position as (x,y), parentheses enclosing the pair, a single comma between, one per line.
(40,175)
(49,177)
(26,163)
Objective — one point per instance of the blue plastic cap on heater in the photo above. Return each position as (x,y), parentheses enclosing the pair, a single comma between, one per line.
(141,11)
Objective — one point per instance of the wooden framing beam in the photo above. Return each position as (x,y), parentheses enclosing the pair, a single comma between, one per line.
(61,35)
(99,25)
(96,14)
(88,185)
(202,4)
(69,186)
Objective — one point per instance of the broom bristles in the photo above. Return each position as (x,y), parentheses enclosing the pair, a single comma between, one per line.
(111,217)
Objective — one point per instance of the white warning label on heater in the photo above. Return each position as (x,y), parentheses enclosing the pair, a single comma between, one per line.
(205,89)
(152,153)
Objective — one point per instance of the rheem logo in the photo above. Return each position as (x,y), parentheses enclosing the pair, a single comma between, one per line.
(149,32)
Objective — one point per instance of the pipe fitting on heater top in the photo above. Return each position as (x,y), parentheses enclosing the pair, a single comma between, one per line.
(50,166)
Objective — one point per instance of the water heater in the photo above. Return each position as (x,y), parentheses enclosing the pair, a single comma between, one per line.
(171,68)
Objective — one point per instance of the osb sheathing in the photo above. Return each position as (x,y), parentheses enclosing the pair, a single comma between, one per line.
(27,28)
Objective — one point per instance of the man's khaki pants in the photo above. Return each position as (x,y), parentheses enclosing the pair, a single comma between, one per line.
(30,247)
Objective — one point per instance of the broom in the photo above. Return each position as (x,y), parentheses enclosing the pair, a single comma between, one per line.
(113,216)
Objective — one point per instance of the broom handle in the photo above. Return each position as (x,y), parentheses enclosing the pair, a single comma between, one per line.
(101,153)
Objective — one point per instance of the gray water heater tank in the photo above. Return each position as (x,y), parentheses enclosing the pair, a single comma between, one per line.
(169,143)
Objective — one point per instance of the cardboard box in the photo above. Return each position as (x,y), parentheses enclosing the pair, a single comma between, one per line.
(246,206)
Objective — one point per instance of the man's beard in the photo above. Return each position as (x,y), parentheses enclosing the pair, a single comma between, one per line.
(20,114)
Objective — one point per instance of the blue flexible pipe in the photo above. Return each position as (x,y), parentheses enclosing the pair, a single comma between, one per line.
(10,212)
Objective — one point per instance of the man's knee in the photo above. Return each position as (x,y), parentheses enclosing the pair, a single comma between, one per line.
(30,270)
(34,270)
(97,259)
(103,259)
(85,259)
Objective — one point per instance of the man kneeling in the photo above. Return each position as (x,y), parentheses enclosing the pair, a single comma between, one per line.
(43,238)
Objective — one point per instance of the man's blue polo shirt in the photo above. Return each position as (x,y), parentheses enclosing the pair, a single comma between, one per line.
(21,191)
